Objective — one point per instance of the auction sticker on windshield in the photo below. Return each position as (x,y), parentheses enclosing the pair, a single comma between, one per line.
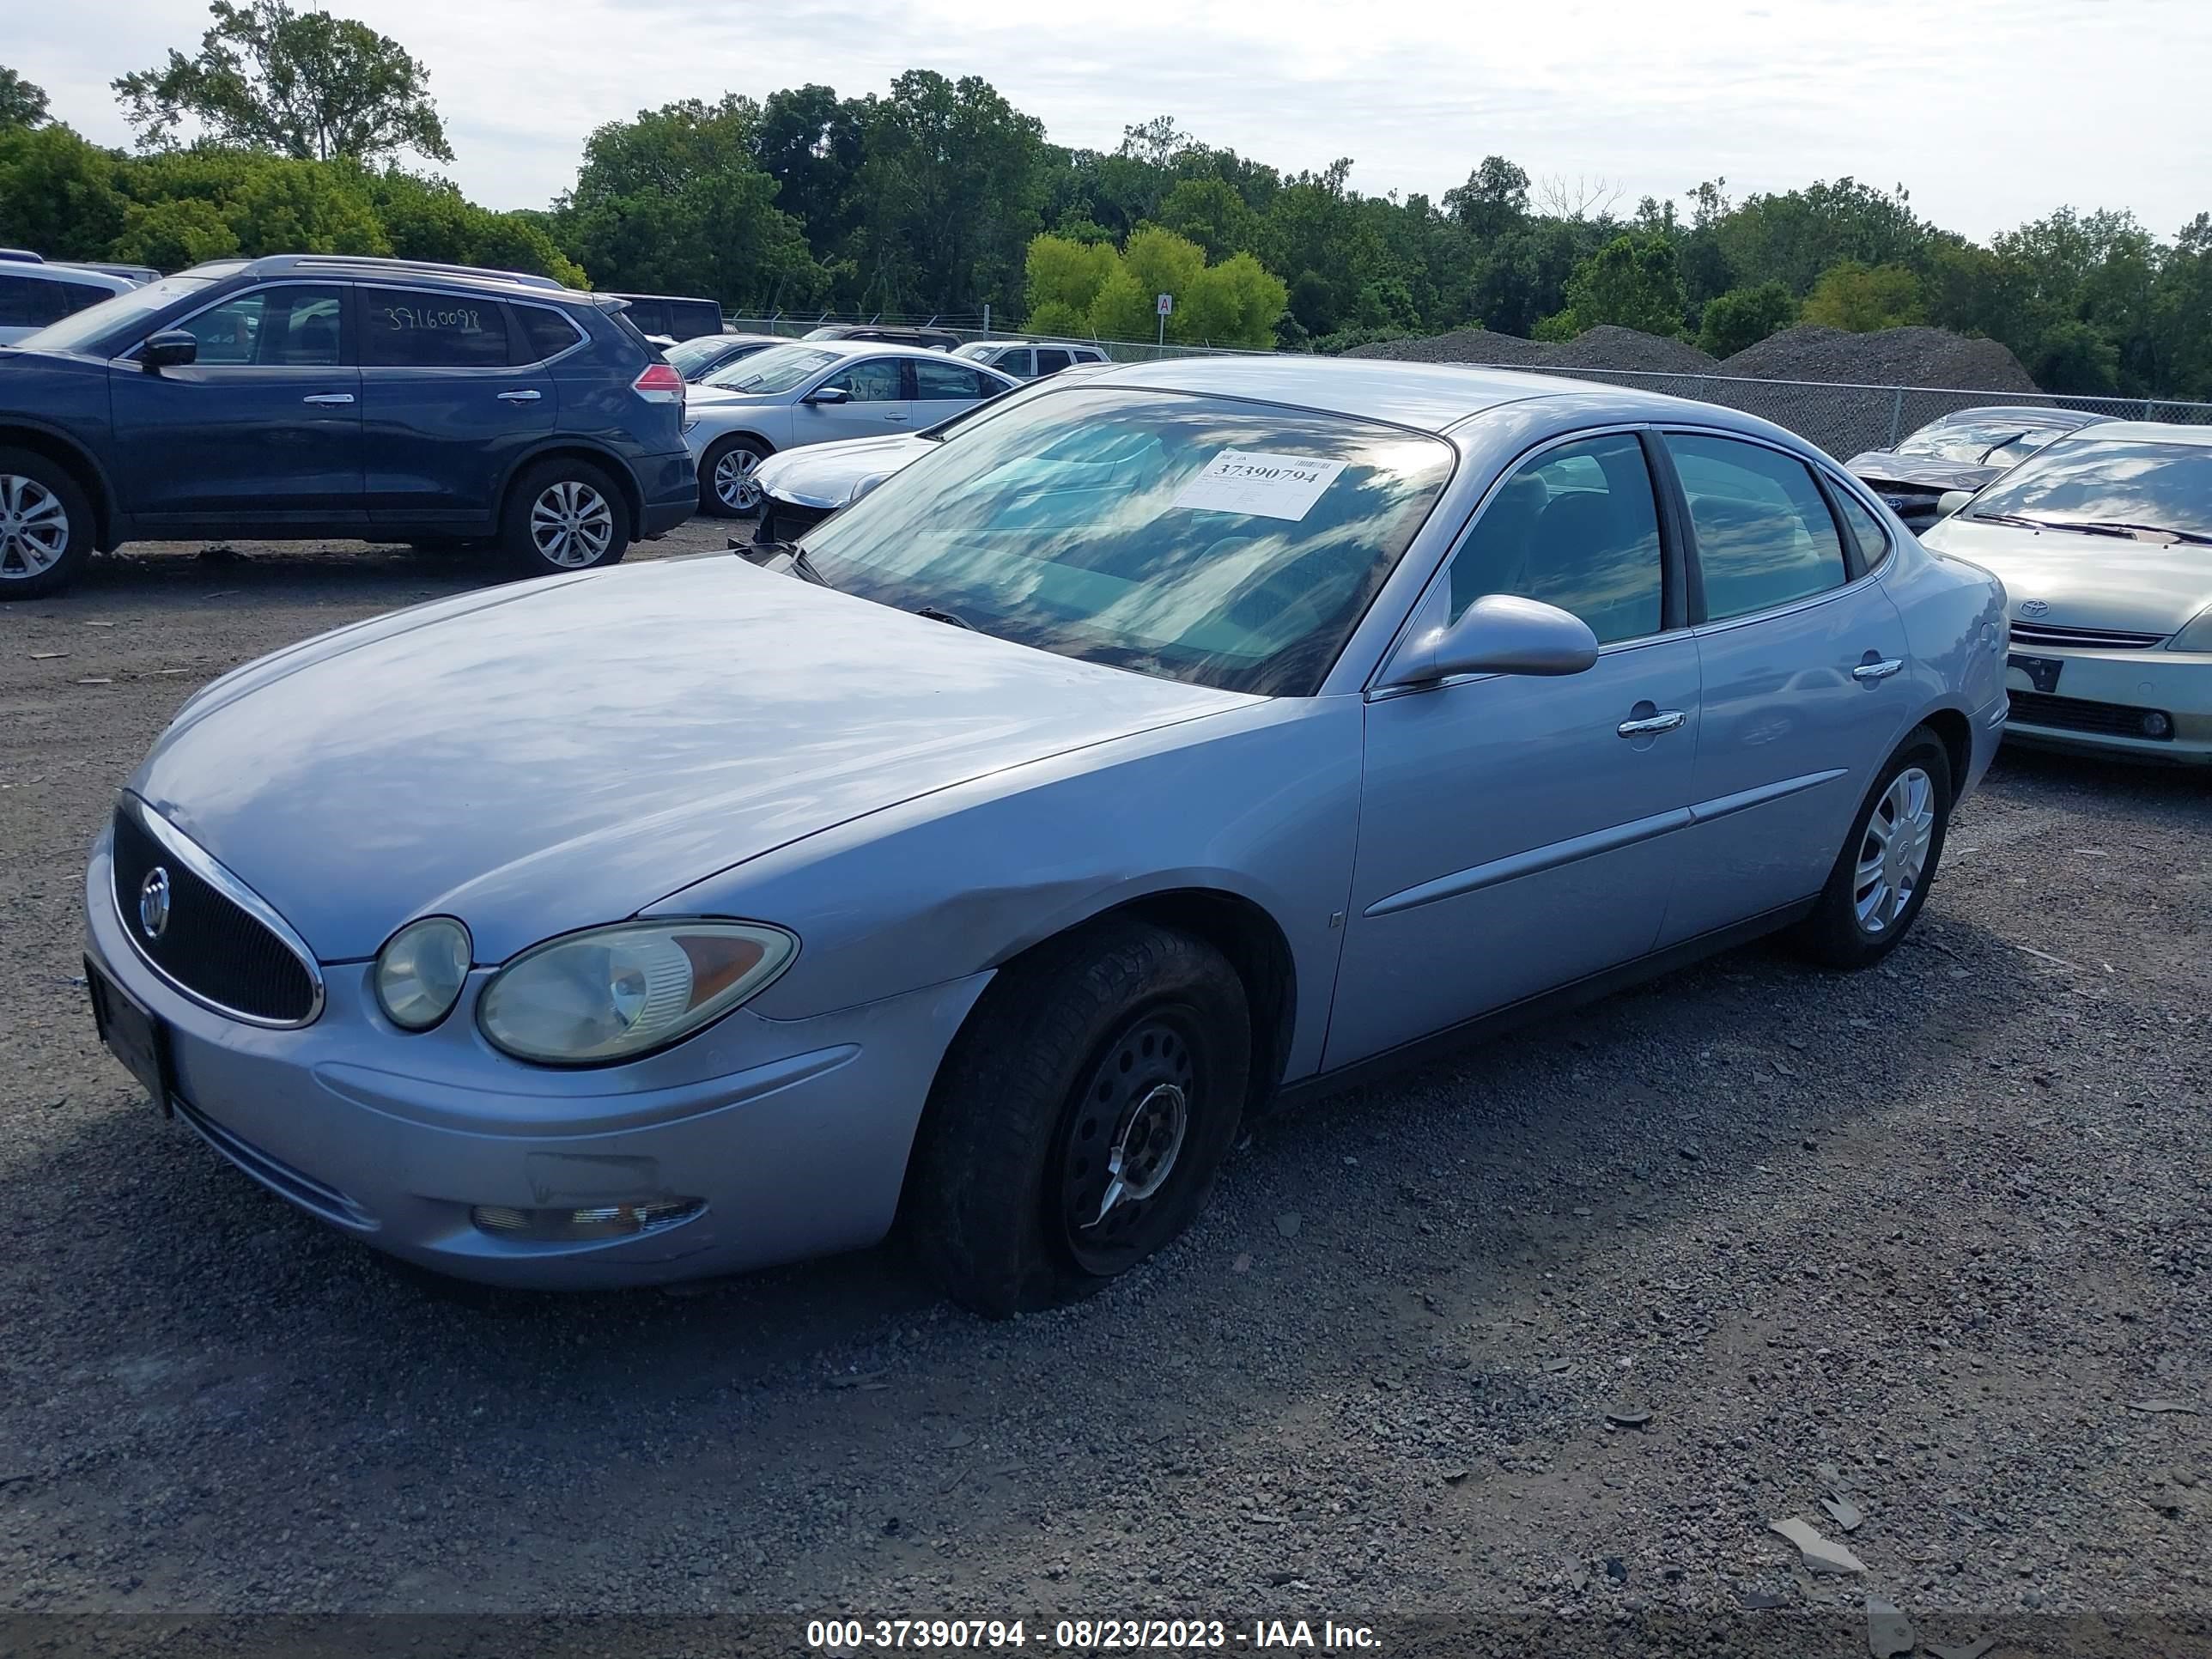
(1263,486)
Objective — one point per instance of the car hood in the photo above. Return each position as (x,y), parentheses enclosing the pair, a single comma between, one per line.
(2085,581)
(823,475)
(1879,466)
(540,758)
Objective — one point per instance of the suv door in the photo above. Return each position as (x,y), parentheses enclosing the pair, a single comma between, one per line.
(1802,652)
(878,399)
(446,412)
(1519,833)
(262,429)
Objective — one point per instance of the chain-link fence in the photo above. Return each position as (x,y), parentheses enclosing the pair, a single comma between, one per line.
(971,328)
(1845,420)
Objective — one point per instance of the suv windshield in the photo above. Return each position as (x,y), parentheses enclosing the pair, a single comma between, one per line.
(2120,483)
(1229,544)
(777,369)
(80,329)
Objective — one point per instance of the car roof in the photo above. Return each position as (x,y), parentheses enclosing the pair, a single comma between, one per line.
(1428,397)
(60,270)
(874,349)
(2146,432)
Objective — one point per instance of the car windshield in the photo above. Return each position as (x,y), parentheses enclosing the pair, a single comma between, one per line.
(693,355)
(777,369)
(80,329)
(1966,444)
(2092,483)
(1225,544)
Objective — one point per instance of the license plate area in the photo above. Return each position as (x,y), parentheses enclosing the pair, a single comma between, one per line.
(2025,673)
(133,1034)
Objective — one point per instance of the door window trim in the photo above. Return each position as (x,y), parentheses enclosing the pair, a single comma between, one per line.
(1700,623)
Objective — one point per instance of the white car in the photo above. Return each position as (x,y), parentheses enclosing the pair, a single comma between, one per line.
(33,293)
(817,391)
(1030,360)
(2104,543)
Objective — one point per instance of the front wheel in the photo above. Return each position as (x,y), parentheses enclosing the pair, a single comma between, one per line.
(1078,1121)
(727,488)
(46,525)
(564,515)
(1880,879)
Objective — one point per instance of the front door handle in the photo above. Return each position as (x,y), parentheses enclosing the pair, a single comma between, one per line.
(524,397)
(329,397)
(894,418)
(1869,673)
(1651,725)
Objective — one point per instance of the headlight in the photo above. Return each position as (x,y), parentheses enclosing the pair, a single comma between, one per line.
(2198,636)
(420,972)
(614,993)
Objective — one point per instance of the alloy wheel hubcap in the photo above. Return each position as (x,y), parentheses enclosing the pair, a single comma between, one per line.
(1893,855)
(571,524)
(1129,1128)
(733,480)
(35,527)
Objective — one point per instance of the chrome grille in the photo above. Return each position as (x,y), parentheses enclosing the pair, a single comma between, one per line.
(221,946)
(2085,639)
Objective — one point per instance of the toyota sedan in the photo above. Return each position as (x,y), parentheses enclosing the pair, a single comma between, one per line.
(1180,741)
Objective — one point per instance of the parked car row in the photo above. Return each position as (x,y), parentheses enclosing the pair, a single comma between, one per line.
(35,292)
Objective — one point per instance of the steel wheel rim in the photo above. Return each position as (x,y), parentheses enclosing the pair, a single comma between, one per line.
(1893,856)
(34,528)
(571,524)
(733,480)
(1128,1134)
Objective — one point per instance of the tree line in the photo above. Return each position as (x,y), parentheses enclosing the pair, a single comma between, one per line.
(939,196)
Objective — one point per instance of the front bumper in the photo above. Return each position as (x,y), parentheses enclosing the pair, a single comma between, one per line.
(2099,695)
(795,1134)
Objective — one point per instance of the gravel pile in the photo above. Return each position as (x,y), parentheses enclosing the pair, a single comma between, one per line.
(1893,356)
(1608,347)
(1462,345)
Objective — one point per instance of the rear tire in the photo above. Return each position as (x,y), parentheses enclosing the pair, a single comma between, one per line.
(726,486)
(563,515)
(1078,1120)
(1881,877)
(46,525)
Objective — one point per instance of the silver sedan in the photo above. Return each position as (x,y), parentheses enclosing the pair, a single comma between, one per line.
(1173,744)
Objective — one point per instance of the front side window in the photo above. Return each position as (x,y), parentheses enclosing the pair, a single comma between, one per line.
(421,328)
(1765,535)
(1578,527)
(294,326)
(2123,487)
(876,381)
(1196,538)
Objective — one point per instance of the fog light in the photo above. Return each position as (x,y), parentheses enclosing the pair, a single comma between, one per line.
(2156,724)
(581,1226)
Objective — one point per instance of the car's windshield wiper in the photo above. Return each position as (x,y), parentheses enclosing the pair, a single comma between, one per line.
(939,613)
(2115,527)
(2012,518)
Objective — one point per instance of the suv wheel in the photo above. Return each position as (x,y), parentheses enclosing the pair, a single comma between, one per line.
(726,488)
(564,515)
(46,525)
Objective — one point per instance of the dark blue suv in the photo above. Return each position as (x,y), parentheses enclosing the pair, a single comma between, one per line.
(309,395)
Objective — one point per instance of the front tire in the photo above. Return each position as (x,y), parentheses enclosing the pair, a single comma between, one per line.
(1880,879)
(46,525)
(1079,1119)
(726,489)
(564,515)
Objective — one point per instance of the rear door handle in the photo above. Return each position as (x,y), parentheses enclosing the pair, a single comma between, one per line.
(329,397)
(1869,673)
(894,418)
(525,397)
(1651,725)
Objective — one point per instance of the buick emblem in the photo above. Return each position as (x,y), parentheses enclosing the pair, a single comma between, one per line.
(2034,608)
(153,903)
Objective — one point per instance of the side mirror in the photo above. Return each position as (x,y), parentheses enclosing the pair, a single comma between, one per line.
(172,348)
(1951,501)
(830,394)
(1500,634)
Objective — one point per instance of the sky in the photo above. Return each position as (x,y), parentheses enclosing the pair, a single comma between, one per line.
(1989,111)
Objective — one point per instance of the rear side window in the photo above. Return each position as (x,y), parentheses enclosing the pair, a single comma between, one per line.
(546,333)
(651,316)
(1578,527)
(1862,527)
(420,328)
(876,381)
(693,318)
(949,381)
(1765,536)
(28,303)
(1051,361)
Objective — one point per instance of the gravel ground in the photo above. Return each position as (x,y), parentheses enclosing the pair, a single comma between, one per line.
(1890,356)
(1932,1239)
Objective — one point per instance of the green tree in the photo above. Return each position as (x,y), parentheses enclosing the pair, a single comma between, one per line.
(1235,302)
(304,84)
(170,235)
(2182,312)
(1743,317)
(1066,276)
(1160,262)
(1793,237)
(58,194)
(21,104)
(430,219)
(1494,201)
(1864,298)
(1632,281)
(1209,212)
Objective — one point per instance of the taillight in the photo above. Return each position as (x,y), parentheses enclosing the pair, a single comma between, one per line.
(659,384)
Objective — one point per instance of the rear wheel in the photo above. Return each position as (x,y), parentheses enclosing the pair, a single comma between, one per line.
(726,487)
(564,515)
(46,525)
(1079,1121)
(1880,879)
